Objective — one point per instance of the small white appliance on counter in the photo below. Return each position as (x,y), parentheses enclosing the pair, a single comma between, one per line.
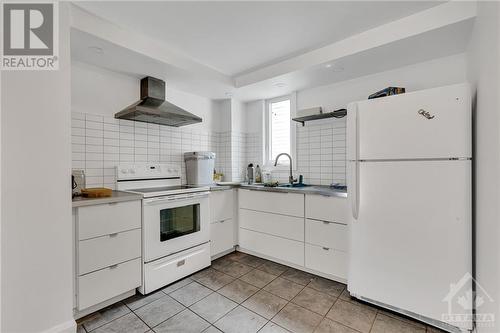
(175,225)
(200,168)
(409,191)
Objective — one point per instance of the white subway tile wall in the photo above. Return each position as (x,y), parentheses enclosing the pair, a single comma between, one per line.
(321,152)
(100,143)
(223,154)
(238,156)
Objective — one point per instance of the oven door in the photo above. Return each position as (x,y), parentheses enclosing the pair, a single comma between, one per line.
(175,223)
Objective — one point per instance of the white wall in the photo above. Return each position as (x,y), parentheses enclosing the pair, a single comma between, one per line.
(238,116)
(100,91)
(222,115)
(483,71)
(36,234)
(430,74)
(254,116)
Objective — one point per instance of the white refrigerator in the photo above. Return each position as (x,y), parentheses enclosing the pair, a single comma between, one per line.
(409,192)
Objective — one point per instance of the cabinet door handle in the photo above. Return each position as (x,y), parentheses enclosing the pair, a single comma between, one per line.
(326,248)
(113,234)
(113,266)
(181,263)
(326,222)
(112,203)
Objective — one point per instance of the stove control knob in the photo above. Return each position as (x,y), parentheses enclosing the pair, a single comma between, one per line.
(169,170)
(124,171)
(132,171)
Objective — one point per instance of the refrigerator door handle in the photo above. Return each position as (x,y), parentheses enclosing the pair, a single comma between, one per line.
(353,188)
(352,132)
(353,157)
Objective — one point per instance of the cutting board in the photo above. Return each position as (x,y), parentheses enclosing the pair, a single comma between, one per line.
(97,192)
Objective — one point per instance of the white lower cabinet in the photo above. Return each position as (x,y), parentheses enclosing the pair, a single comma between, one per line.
(99,286)
(290,227)
(222,223)
(276,225)
(104,251)
(105,219)
(108,250)
(326,208)
(328,234)
(326,260)
(272,246)
(291,204)
(221,236)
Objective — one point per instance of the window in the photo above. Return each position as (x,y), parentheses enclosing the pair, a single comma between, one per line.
(279,137)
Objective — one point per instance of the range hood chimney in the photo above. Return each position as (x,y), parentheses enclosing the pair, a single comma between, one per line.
(152,108)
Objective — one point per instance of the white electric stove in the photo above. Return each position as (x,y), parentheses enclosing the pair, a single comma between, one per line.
(175,222)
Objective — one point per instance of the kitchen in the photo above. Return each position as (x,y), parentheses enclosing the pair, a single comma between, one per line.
(256,186)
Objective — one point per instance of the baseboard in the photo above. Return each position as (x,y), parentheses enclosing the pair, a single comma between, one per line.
(66,327)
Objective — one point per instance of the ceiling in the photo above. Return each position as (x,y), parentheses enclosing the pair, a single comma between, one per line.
(238,37)
(261,50)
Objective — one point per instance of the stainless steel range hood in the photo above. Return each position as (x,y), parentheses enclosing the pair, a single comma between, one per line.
(152,108)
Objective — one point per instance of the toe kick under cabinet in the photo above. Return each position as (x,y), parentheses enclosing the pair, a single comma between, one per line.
(107,253)
(307,231)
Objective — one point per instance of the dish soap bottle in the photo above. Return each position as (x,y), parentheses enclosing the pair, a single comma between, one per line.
(258,175)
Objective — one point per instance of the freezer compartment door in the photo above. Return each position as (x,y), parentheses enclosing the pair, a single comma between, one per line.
(411,239)
(433,123)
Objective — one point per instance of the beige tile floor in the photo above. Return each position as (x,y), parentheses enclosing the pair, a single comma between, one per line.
(241,293)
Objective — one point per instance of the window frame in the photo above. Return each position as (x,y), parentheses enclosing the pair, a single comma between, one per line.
(293,132)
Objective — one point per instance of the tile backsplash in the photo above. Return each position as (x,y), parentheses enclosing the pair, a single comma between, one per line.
(100,143)
(321,152)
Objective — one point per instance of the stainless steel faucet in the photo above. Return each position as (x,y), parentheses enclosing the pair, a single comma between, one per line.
(290,179)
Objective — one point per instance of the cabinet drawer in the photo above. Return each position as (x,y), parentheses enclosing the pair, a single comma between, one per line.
(272,246)
(221,236)
(221,205)
(101,220)
(328,234)
(104,251)
(278,225)
(328,261)
(272,202)
(333,209)
(107,283)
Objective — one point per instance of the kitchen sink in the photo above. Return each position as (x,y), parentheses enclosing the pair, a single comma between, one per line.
(293,185)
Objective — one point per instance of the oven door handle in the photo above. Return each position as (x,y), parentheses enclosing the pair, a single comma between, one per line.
(172,198)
